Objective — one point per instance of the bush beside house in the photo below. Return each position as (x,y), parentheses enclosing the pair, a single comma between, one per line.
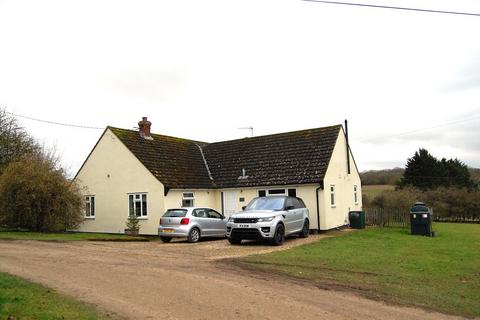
(35,193)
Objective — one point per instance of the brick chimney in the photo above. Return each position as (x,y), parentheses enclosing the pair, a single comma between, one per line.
(144,128)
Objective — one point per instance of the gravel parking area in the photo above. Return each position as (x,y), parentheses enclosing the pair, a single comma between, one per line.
(153,280)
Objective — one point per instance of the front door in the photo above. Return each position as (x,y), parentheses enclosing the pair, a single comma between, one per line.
(230,201)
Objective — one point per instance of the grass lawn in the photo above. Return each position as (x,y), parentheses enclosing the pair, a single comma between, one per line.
(25,300)
(69,236)
(441,273)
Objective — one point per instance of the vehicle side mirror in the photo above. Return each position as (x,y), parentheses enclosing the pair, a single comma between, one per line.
(290,208)
(243,208)
(223,218)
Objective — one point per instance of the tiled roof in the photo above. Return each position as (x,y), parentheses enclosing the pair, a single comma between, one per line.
(287,158)
(297,157)
(175,162)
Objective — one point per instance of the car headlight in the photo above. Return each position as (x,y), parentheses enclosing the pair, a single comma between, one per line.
(268,219)
(231,219)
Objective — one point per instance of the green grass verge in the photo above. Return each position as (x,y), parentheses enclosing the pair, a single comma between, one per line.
(69,236)
(24,300)
(441,273)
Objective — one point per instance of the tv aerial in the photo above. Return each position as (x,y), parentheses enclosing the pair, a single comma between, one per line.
(247,128)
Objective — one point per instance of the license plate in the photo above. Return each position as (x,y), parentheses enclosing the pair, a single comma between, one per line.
(168,230)
(244,226)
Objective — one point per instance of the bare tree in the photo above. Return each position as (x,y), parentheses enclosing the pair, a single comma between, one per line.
(15,142)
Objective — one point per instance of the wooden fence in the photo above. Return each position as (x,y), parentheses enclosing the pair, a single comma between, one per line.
(399,217)
(459,219)
(391,217)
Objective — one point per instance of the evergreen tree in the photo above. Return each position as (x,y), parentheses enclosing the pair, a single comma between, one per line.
(424,171)
(457,173)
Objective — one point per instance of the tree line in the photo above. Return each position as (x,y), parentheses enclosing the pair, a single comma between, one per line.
(382,177)
(35,193)
(393,176)
(444,184)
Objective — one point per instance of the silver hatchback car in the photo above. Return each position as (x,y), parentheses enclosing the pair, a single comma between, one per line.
(191,223)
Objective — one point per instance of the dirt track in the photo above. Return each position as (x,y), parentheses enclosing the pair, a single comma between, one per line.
(183,281)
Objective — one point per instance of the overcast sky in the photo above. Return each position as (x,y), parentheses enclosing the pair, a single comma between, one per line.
(203,69)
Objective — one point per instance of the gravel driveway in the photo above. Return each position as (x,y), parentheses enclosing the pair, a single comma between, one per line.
(184,281)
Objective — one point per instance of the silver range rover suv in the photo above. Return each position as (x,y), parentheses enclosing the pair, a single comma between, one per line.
(269,218)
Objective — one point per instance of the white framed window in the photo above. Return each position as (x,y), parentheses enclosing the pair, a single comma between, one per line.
(137,204)
(355,194)
(188,199)
(332,196)
(90,207)
(277,192)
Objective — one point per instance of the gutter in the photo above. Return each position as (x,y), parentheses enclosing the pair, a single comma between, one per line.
(348,146)
(318,206)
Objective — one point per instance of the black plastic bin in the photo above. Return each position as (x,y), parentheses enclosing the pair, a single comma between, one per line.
(357,219)
(420,220)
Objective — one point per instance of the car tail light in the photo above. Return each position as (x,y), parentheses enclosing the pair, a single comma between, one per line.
(160,220)
(185,221)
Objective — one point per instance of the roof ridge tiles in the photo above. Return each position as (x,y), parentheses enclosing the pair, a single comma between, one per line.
(239,139)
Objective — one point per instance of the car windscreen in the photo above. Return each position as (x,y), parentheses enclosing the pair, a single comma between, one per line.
(266,203)
(175,213)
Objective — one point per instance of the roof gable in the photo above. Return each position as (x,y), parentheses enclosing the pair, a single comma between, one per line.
(297,157)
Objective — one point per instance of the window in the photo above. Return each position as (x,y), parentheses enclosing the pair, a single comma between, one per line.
(137,204)
(199,213)
(175,213)
(301,203)
(289,203)
(90,206)
(295,202)
(188,199)
(355,194)
(332,196)
(213,214)
(206,213)
(278,192)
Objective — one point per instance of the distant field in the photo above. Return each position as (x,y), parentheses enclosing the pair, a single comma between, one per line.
(374,190)
(440,273)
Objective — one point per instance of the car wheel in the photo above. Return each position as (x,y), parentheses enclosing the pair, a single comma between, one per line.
(279,236)
(166,239)
(234,240)
(305,229)
(194,235)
